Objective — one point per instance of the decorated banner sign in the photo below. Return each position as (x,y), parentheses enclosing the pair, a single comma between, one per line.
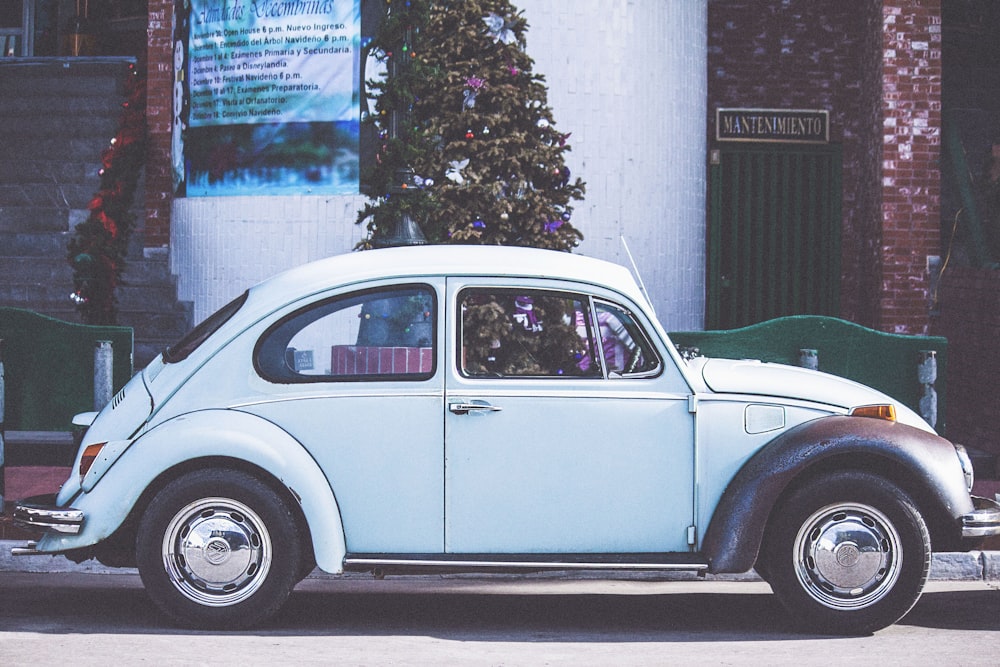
(266,97)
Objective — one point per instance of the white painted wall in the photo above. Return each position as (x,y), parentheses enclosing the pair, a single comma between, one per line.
(626,77)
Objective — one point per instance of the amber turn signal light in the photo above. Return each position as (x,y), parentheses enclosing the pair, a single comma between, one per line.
(90,454)
(886,412)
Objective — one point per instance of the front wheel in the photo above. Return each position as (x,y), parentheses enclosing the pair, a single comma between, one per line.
(848,553)
(218,549)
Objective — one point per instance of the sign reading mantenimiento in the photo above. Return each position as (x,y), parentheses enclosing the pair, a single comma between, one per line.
(784,125)
(269,91)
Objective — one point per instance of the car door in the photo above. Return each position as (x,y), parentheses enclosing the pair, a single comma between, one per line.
(355,377)
(555,443)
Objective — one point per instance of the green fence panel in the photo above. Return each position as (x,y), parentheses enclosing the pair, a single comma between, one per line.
(49,368)
(887,362)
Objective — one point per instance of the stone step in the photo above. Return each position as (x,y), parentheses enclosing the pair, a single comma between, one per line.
(34,270)
(151,297)
(52,246)
(41,267)
(35,219)
(47,195)
(136,305)
(36,170)
(74,149)
(65,80)
(62,127)
(99,105)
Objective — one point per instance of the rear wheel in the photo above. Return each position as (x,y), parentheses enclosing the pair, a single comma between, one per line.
(218,548)
(848,553)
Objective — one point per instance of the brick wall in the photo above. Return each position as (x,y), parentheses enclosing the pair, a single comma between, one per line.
(911,179)
(812,54)
(865,228)
(159,184)
(969,317)
(876,65)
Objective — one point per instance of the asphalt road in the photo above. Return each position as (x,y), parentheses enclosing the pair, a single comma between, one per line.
(106,619)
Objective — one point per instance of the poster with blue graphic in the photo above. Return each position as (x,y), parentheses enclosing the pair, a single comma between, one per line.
(267,97)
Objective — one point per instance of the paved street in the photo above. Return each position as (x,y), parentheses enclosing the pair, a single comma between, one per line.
(91,619)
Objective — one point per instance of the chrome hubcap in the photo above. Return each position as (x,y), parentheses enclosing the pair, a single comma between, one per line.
(847,556)
(217,551)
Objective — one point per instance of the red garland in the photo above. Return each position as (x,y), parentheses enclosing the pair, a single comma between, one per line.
(98,249)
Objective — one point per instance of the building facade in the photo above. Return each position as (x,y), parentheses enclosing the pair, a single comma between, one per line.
(639,147)
(852,222)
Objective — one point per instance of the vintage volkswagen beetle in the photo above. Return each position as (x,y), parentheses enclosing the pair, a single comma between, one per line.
(496,409)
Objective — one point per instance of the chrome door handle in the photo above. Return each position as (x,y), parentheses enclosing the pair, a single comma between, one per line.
(466,408)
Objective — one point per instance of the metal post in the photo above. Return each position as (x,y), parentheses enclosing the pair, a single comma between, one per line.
(809,358)
(103,373)
(927,376)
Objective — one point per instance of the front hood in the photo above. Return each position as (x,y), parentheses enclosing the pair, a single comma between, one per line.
(758,378)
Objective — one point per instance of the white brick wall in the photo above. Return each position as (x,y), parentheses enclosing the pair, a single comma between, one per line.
(626,77)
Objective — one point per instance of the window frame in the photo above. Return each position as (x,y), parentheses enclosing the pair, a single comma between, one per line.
(585,299)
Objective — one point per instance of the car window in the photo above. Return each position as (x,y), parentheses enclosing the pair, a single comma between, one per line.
(625,347)
(523,333)
(371,335)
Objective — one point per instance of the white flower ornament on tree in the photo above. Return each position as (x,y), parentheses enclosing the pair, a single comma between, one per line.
(455,168)
(499,29)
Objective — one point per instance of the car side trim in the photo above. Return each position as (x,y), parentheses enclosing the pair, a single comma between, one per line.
(521,562)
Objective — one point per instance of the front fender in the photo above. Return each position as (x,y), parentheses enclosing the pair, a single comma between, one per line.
(107,502)
(735,533)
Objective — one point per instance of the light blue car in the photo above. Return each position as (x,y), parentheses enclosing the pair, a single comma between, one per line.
(483,409)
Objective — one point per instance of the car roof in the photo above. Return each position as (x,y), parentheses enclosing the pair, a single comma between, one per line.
(445,260)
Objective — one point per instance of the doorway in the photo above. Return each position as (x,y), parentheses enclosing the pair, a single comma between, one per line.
(774,233)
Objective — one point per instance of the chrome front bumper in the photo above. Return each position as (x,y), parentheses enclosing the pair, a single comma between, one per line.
(984,521)
(41,513)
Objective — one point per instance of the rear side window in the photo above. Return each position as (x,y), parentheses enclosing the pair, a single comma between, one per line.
(194,338)
(383,334)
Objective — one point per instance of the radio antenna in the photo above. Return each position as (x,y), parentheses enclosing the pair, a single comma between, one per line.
(638,276)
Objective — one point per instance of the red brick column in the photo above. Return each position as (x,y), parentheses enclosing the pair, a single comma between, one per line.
(159,115)
(911,192)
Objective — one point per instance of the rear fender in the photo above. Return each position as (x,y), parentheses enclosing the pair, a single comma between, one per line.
(210,433)
(737,527)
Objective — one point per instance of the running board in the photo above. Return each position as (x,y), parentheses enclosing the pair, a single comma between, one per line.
(524,562)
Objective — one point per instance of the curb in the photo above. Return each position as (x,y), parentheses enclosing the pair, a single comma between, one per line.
(950,566)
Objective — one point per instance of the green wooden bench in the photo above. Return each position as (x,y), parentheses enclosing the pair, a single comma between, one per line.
(892,363)
(48,378)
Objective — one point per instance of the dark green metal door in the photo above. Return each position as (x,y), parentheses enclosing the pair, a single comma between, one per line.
(774,233)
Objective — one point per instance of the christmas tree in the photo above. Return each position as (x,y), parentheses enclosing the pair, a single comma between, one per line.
(467,145)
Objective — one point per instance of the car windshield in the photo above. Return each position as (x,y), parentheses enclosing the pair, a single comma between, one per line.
(190,342)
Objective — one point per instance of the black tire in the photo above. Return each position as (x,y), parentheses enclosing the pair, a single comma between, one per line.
(847,554)
(218,549)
